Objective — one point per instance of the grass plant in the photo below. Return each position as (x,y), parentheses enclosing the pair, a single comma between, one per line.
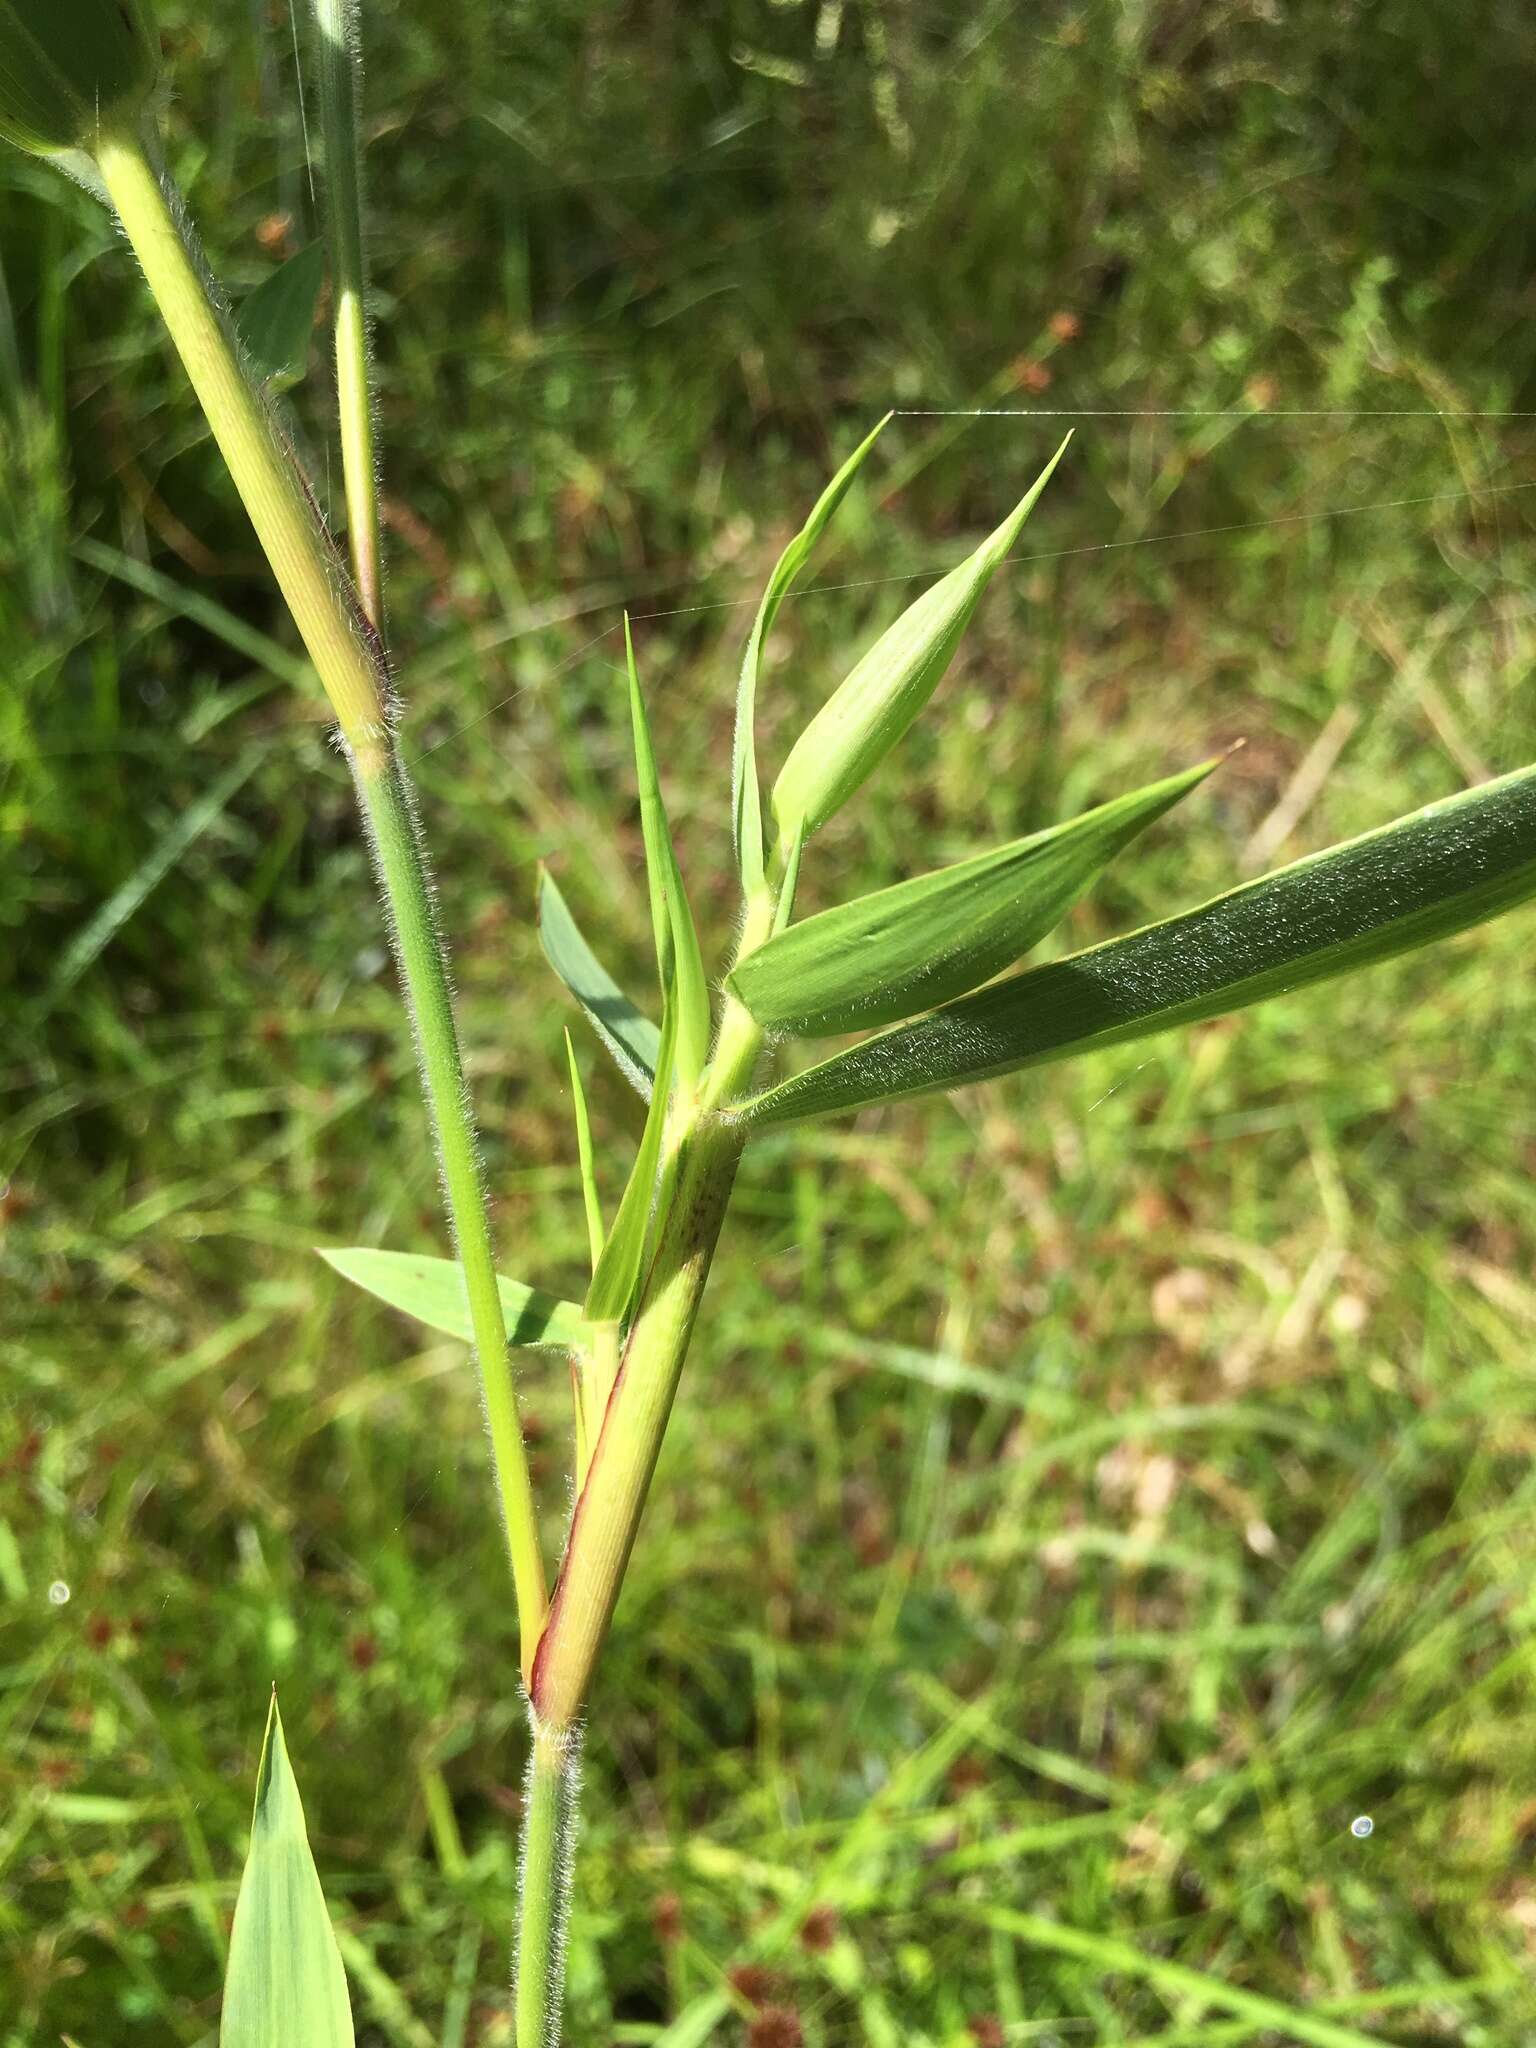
(1429,875)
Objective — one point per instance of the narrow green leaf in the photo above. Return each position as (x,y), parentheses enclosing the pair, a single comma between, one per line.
(276,321)
(284,1984)
(906,948)
(1452,865)
(631,1037)
(432,1290)
(868,713)
(589,1195)
(678,959)
(784,909)
(746,798)
(618,1270)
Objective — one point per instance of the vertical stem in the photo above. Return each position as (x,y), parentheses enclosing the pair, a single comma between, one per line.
(340,67)
(544,1884)
(347,658)
(401,859)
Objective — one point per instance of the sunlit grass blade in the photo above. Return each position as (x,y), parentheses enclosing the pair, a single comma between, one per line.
(432,1290)
(589,1195)
(868,712)
(277,320)
(1422,878)
(284,1984)
(678,959)
(618,1270)
(340,71)
(746,797)
(906,948)
(630,1036)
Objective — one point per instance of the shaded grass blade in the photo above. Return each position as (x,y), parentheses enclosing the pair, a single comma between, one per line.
(285,1984)
(1438,871)
(907,948)
(870,711)
(746,797)
(432,1290)
(630,1036)
(275,322)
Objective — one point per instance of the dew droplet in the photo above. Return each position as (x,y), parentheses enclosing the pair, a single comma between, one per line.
(58,1593)
(1361,1826)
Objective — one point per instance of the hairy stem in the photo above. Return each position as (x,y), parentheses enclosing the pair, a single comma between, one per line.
(340,66)
(544,1884)
(610,1505)
(349,662)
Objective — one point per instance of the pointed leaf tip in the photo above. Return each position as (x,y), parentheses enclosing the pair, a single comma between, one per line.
(869,712)
(284,1983)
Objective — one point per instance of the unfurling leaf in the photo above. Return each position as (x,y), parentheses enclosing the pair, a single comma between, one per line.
(868,713)
(591,1201)
(746,799)
(906,948)
(618,1269)
(276,321)
(678,959)
(432,1290)
(284,1986)
(1442,869)
(631,1037)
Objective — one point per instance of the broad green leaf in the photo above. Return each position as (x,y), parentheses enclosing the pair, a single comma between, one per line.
(678,959)
(276,321)
(284,1986)
(1422,878)
(589,1194)
(746,799)
(432,1290)
(631,1037)
(618,1270)
(868,713)
(906,948)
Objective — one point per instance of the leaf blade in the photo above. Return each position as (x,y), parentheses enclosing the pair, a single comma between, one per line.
(284,1982)
(873,707)
(746,796)
(618,1270)
(630,1036)
(431,1290)
(276,321)
(907,948)
(678,958)
(1438,871)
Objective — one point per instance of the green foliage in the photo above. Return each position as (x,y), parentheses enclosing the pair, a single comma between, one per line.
(276,321)
(69,66)
(654,305)
(679,962)
(284,1985)
(746,797)
(632,1038)
(1403,886)
(617,1273)
(432,1292)
(920,942)
(867,714)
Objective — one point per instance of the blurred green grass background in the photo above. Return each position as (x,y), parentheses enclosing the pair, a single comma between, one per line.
(1089,1494)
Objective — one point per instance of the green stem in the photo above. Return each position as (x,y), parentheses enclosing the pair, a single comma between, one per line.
(347,658)
(339,72)
(544,1885)
(611,1503)
(401,860)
